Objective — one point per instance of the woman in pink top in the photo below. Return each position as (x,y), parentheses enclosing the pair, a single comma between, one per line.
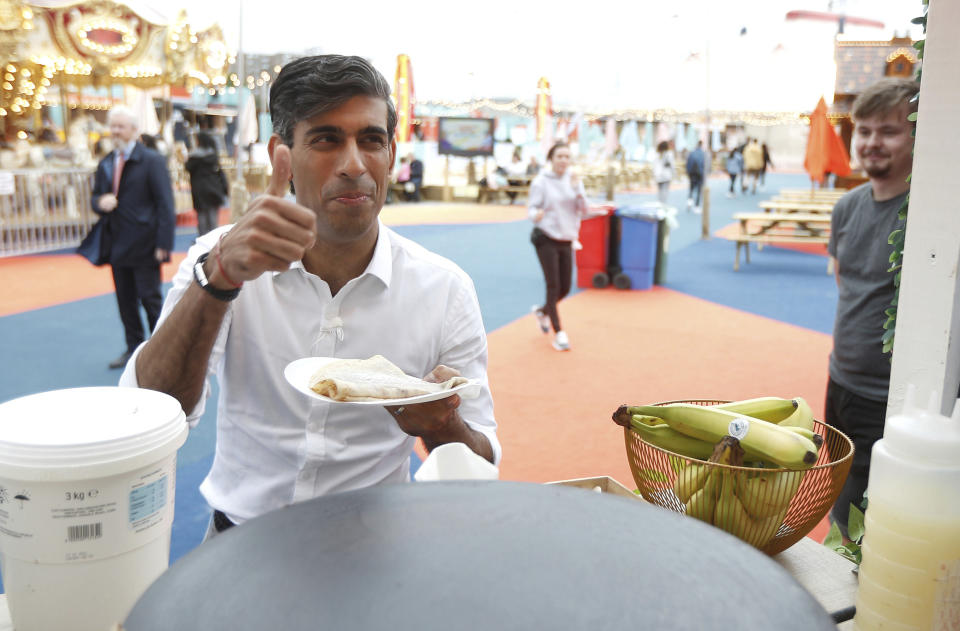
(557,203)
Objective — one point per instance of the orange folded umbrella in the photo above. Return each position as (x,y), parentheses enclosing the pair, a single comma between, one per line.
(825,150)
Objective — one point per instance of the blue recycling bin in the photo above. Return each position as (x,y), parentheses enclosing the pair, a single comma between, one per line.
(638,248)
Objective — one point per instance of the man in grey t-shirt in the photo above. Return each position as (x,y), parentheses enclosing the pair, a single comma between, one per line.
(861,224)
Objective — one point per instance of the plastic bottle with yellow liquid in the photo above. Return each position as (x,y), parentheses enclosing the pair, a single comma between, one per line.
(910,571)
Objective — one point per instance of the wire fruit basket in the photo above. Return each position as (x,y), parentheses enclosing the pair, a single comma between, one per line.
(779,506)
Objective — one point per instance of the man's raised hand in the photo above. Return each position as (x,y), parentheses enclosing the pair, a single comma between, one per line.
(273,233)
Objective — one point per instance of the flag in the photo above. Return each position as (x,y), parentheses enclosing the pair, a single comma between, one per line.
(544,107)
(249,128)
(825,150)
(403,97)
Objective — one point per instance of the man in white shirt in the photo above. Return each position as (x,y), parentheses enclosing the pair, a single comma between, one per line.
(320,276)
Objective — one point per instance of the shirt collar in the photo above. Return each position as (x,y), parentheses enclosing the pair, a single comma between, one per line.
(127,149)
(381,265)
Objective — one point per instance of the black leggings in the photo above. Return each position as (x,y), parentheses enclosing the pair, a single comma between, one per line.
(556,259)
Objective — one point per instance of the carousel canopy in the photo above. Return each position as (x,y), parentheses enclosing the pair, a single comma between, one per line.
(100,43)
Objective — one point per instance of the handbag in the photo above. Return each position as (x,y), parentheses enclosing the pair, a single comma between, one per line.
(95,247)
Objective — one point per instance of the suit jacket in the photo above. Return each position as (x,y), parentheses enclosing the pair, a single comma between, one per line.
(144,217)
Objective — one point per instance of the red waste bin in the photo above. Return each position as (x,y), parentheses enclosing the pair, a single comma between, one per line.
(592,258)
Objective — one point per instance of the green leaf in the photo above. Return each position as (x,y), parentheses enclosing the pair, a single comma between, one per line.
(912,116)
(855,523)
(891,313)
(919,44)
(887,335)
(834,539)
(886,348)
(896,278)
(920,20)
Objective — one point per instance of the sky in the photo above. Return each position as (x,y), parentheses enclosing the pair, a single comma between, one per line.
(604,54)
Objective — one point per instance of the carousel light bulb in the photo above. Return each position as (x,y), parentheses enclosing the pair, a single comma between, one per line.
(7,85)
(15,108)
(277,69)
(26,13)
(3,112)
(11,68)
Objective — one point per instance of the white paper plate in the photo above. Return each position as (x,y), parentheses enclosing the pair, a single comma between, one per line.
(298,373)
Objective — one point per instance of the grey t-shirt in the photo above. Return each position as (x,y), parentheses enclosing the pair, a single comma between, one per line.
(859,231)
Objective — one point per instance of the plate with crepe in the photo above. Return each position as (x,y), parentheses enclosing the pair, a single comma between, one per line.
(372,381)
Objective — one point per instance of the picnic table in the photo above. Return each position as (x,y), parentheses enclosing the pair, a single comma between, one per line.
(780,227)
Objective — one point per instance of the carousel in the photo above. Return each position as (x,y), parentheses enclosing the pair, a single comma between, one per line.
(64,64)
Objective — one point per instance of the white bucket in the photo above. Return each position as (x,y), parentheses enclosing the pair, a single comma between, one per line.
(87,479)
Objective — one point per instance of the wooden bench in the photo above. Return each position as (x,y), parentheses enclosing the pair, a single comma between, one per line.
(772,227)
(486,193)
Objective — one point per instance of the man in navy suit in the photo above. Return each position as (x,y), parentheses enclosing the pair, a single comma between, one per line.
(132,189)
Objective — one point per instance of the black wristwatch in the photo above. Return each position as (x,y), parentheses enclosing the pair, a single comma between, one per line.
(226,295)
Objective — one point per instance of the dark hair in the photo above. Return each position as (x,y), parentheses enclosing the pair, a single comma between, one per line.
(663,146)
(148,141)
(884,96)
(308,86)
(556,145)
(206,141)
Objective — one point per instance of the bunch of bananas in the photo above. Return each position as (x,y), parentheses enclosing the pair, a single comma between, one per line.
(772,435)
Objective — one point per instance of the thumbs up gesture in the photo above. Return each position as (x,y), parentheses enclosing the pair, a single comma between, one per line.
(272,234)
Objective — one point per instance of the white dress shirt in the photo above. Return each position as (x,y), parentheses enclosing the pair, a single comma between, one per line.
(275,445)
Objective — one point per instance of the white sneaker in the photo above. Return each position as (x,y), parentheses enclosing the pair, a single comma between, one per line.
(689,203)
(542,319)
(560,342)
(697,210)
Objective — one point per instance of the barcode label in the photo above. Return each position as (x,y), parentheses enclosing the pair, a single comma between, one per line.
(85,532)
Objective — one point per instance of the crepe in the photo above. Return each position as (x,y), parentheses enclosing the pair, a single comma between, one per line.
(372,379)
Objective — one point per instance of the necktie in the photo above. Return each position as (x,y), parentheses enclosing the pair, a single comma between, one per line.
(116,173)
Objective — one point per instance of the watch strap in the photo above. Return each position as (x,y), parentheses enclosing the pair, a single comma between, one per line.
(225,295)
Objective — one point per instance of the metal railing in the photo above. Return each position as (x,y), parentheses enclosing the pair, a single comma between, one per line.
(44,209)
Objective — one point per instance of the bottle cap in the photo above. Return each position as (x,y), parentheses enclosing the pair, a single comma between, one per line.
(923,433)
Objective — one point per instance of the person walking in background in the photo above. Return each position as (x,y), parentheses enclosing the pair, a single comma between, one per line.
(208,183)
(557,203)
(663,171)
(533,167)
(753,164)
(515,171)
(695,163)
(416,178)
(861,223)
(132,187)
(734,166)
(403,176)
(767,163)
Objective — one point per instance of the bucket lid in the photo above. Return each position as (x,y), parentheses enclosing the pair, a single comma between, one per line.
(79,427)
